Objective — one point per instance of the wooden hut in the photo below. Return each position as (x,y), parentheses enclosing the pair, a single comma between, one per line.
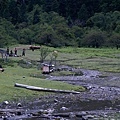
(47,68)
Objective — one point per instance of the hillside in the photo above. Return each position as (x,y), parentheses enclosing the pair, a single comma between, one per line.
(88,23)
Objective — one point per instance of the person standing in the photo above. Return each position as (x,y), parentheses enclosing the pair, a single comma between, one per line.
(8,51)
(11,53)
(15,51)
(23,52)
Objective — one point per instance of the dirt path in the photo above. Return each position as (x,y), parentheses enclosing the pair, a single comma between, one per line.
(100,101)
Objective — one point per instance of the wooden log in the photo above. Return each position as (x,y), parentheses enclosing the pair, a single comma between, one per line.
(20,85)
(44,89)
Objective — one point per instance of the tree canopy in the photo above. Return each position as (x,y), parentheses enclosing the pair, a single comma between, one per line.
(91,23)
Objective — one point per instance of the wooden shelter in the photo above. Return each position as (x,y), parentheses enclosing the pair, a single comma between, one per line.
(47,68)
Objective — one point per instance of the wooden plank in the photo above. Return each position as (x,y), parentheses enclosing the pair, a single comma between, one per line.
(44,89)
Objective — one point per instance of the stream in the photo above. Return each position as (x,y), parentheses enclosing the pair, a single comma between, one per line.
(100,101)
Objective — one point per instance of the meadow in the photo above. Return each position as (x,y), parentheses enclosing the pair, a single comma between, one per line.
(104,59)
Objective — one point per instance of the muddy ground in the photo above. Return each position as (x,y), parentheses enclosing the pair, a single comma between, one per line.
(100,101)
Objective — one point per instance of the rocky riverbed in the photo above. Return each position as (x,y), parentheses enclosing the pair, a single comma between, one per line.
(100,101)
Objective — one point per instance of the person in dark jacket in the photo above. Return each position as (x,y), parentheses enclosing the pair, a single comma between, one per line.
(11,53)
(15,51)
(7,50)
(1,68)
(23,52)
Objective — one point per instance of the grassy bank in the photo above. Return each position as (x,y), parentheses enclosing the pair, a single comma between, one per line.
(17,74)
(104,59)
(100,59)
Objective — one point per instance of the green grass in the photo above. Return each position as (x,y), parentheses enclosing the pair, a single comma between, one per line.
(17,74)
(104,59)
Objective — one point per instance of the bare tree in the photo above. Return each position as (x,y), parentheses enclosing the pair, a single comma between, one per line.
(44,52)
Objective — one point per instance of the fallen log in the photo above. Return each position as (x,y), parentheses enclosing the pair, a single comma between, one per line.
(21,85)
(44,89)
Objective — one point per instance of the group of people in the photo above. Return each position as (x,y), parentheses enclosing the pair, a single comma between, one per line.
(11,53)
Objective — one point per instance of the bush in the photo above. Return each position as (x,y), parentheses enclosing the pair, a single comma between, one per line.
(7,63)
(25,64)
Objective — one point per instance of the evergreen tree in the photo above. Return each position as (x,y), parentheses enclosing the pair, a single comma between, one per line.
(83,14)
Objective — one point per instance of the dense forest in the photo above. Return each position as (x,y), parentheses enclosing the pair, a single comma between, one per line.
(57,23)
